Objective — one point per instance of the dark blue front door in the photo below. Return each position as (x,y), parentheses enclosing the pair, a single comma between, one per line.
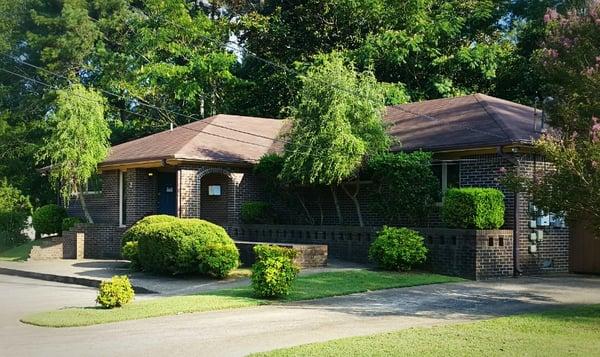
(167,193)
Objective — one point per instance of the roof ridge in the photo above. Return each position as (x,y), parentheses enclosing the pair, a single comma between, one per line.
(205,121)
(492,114)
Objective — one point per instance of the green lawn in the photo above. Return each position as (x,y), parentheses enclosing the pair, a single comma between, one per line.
(565,332)
(327,284)
(306,287)
(175,305)
(18,253)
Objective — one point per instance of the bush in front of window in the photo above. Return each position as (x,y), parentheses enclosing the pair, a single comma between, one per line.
(398,249)
(257,212)
(48,219)
(473,208)
(405,186)
(186,245)
(274,271)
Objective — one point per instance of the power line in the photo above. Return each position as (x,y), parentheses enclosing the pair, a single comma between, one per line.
(144,103)
(138,114)
(332,85)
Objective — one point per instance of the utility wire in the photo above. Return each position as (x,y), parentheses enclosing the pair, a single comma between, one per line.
(138,114)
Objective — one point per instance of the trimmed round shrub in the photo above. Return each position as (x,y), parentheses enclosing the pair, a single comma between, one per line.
(398,249)
(48,219)
(274,271)
(257,212)
(134,231)
(183,246)
(14,210)
(115,292)
(473,208)
(130,252)
(70,222)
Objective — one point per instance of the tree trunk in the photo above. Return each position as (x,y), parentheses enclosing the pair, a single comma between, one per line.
(338,210)
(308,216)
(355,201)
(87,214)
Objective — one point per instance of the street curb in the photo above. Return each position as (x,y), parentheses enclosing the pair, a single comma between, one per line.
(94,283)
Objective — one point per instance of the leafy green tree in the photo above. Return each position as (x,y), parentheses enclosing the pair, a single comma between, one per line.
(433,48)
(334,126)
(15,208)
(571,62)
(78,141)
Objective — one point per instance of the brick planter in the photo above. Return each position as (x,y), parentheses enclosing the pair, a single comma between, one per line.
(309,255)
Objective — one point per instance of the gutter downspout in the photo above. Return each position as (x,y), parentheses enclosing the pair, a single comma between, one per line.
(517,271)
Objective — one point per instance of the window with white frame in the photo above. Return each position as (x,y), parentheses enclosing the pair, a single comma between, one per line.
(448,175)
(93,184)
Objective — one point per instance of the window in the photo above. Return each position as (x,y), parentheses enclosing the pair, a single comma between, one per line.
(448,175)
(93,184)
(214,190)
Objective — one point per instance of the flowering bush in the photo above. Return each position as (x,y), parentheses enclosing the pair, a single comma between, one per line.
(570,61)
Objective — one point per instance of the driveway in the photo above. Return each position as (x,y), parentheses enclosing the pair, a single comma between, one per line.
(238,332)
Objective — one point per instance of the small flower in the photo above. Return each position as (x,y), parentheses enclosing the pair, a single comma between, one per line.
(502,170)
(595,164)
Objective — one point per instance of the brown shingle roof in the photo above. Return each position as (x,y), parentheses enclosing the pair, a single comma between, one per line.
(458,123)
(221,138)
(466,122)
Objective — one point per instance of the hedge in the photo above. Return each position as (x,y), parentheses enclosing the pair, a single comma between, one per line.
(257,212)
(134,231)
(398,249)
(473,208)
(48,219)
(274,271)
(180,246)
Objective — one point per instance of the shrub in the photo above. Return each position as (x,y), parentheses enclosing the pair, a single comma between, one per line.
(130,252)
(14,210)
(479,208)
(186,246)
(115,292)
(134,231)
(398,249)
(70,222)
(256,212)
(48,219)
(274,271)
(405,186)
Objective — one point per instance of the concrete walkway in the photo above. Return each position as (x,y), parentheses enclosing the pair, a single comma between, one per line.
(242,331)
(90,272)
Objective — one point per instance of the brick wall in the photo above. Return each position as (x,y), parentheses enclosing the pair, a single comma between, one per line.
(553,252)
(468,253)
(142,195)
(103,206)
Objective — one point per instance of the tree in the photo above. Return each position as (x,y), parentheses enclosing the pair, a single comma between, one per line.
(78,141)
(336,122)
(570,61)
(433,48)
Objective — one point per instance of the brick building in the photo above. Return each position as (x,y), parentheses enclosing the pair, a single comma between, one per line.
(204,169)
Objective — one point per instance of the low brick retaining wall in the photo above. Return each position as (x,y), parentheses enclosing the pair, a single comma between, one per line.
(68,246)
(473,254)
(309,255)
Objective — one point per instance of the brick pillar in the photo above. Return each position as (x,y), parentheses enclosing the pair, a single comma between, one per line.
(79,245)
